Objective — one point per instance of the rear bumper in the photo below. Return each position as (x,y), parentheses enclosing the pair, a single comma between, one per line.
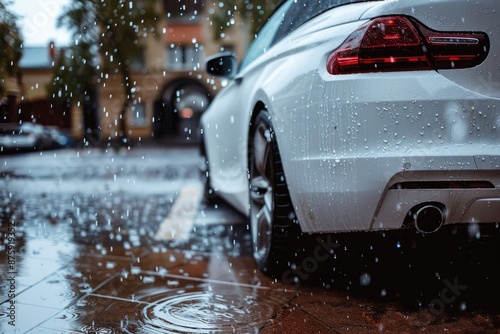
(465,196)
(359,136)
(366,194)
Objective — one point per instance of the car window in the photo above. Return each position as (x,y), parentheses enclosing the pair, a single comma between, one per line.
(265,36)
(302,11)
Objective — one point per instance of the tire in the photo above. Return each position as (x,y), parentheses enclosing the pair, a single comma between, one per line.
(209,193)
(275,231)
(38,146)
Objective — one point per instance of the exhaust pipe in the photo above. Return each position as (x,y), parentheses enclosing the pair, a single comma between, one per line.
(429,219)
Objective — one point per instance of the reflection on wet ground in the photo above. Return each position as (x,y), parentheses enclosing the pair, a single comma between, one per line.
(87,261)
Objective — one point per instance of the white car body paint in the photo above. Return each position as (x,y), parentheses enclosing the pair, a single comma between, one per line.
(346,140)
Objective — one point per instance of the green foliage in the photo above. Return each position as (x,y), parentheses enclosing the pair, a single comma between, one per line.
(74,78)
(108,30)
(10,44)
(254,13)
(107,38)
(114,27)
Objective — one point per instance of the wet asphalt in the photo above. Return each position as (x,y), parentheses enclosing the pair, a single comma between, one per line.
(81,252)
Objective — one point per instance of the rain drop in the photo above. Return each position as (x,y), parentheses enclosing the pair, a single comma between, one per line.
(365,279)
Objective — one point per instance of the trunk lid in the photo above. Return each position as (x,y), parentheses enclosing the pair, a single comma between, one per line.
(457,16)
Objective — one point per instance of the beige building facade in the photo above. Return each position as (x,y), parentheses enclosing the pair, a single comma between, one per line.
(171,88)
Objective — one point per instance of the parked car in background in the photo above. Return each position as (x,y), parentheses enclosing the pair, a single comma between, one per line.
(24,136)
(58,138)
(351,115)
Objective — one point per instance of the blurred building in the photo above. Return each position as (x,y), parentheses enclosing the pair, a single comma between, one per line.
(37,69)
(171,87)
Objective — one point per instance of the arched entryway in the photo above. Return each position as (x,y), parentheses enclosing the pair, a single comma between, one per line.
(178,110)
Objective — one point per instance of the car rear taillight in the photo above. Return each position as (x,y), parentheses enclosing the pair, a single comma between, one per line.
(398,43)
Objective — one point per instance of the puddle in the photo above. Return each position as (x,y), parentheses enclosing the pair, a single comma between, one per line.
(91,329)
(219,309)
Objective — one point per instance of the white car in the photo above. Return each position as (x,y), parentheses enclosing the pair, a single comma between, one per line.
(353,115)
(24,136)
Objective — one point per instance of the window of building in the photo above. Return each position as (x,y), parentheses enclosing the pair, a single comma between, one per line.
(138,61)
(184,57)
(138,114)
(183,8)
(227,48)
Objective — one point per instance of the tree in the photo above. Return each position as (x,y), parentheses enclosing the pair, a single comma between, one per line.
(107,37)
(75,81)
(253,14)
(10,45)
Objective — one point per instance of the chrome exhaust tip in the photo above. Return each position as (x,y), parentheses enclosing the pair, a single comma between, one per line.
(429,219)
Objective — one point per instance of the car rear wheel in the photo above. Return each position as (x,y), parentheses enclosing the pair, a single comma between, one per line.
(275,230)
(204,167)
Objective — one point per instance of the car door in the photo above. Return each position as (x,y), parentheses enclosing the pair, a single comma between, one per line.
(226,122)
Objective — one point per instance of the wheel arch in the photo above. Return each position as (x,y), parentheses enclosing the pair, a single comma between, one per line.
(258,107)
(282,232)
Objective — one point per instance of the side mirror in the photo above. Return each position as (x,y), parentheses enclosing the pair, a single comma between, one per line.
(222,65)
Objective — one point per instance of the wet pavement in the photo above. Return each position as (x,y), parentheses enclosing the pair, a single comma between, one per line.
(83,252)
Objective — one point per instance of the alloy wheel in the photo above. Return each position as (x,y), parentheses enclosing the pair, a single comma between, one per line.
(262,190)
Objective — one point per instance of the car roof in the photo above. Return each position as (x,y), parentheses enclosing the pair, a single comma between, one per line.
(302,11)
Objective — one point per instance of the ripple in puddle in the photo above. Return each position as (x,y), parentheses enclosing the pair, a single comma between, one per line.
(90,329)
(242,310)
